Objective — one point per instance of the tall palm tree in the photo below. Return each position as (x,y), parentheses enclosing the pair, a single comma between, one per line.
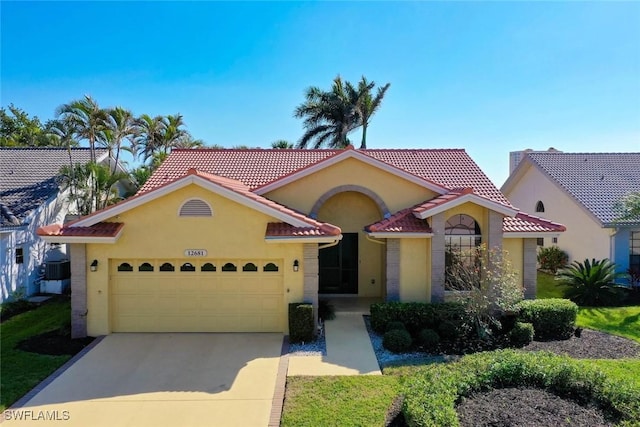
(87,120)
(174,133)
(328,116)
(367,104)
(149,135)
(281,144)
(120,127)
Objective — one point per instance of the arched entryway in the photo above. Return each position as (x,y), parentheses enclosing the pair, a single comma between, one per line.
(355,265)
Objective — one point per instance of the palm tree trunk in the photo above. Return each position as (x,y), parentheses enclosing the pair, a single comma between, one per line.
(363,144)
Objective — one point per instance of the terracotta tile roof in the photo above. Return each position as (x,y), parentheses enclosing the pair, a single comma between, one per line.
(403,221)
(445,198)
(449,168)
(525,223)
(101,229)
(28,178)
(281,229)
(598,181)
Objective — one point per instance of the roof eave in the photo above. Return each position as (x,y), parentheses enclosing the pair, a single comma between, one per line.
(399,235)
(473,198)
(302,239)
(529,234)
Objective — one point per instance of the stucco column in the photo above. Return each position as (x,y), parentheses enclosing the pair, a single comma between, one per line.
(78,256)
(529,268)
(494,236)
(393,269)
(437,257)
(310,268)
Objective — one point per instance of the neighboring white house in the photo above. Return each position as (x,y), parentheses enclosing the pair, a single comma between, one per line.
(30,198)
(582,191)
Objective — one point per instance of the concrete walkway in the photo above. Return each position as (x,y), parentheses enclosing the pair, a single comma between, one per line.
(349,350)
(162,380)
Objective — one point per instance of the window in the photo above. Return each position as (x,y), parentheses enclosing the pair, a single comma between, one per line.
(125,266)
(187,266)
(145,267)
(271,267)
(208,267)
(167,266)
(540,241)
(539,206)
(19,255)
(634,251)
(229,267)
(462,236)
(195,207)
(250,267)
(554,240)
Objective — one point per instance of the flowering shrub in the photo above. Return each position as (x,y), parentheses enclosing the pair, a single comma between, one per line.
(552,259)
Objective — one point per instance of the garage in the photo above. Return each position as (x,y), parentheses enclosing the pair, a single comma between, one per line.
(204,295)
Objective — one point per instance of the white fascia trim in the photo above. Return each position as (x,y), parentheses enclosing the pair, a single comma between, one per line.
(176,185)
(494,206)
(529,235)
(331,239)
(347,155)
(392,235)
(80,239)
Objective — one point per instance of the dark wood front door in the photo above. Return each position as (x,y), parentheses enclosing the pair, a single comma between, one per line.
(339,266)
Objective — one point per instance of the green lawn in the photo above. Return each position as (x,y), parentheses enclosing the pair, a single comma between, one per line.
(548,286)
(21,371)
(622,321)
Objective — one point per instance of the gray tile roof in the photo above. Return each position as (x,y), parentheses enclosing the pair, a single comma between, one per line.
(27,178)
(596,180)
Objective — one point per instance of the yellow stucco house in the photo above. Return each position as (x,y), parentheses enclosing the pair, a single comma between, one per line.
(223,240)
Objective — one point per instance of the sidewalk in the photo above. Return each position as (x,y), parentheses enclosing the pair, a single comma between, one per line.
(349,350)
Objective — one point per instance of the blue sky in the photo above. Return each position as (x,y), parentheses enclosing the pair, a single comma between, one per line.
(490,77)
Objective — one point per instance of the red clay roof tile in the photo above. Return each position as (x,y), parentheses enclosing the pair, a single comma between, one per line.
(403,221)
(525,223)
(101,229)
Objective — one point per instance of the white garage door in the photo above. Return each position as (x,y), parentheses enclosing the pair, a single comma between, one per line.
(196,296)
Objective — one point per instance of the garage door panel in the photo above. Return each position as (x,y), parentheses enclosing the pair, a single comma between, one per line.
(197,301)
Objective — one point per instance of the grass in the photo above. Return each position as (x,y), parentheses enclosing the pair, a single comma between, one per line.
(621,321)
(548,286)
(21,371)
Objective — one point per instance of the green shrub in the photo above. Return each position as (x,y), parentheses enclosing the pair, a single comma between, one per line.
(431,394)
(326,311)
(592,283)
(428,338)
(552,318)
(552,258)
(397,341)
(521,334)
(301,322)
(415,316)
(395,325)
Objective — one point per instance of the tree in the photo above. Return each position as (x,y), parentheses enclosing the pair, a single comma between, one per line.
(174,133)
(367,104)
(149,135)
(119,127)
(592,282)
(17,129)
(87,120)
(630,207)
(281,144)
(329,117)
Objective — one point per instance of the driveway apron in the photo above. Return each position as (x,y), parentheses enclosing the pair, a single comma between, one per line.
(163,380)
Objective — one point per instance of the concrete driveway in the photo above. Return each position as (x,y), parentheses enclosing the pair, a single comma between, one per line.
(162,380)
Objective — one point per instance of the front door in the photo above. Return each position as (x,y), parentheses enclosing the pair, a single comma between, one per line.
(339,266)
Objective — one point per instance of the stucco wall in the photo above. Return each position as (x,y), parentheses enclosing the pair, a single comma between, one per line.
(155,231)
(514,249)
(415,270)
(584,237)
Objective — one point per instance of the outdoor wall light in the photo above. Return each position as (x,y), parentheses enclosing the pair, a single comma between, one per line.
(296,265)
(94,265)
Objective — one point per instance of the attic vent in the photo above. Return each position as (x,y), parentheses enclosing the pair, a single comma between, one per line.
(195,207)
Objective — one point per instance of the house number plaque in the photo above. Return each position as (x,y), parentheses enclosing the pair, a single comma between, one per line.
(195,252)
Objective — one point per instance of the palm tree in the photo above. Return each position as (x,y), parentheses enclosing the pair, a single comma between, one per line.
(281,144)
(120,126)
(367,104)
(592,282)
(174,133)
(189,142)
(149,135)
(87,120)
(328,116)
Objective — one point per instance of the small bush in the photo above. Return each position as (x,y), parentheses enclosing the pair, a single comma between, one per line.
(552,318)
(301,322)
(391,326)
(552,259)
(521,334)
(592,283)
(428,338)
(326,311)
(397,341)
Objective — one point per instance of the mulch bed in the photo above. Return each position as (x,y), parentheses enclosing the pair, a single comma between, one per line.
(590,345)
(54,343)
(525,407)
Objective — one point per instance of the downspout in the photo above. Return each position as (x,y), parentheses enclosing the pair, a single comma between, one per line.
(328,245)
(371,239)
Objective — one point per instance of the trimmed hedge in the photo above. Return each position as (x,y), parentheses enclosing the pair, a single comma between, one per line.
(521,334)
(301,322)
(429,338)
(552,318)
(397,341)
(431,395)
(417,316)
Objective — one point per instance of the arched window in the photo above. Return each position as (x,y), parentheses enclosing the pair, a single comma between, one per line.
(145,266)
(539,206)
(250,267)
(167,266)
(462,237)
(229,267)
(187,266)
(195,207)
(208,267)
(270,267)
(125,266)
